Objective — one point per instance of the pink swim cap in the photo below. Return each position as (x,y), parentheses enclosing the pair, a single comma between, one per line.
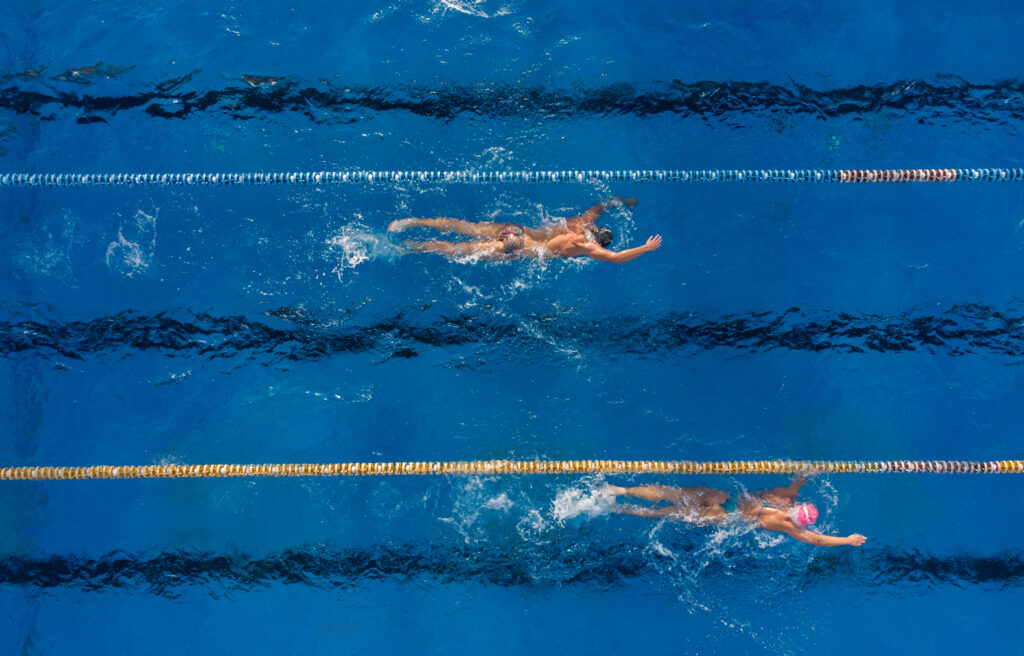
(804,514)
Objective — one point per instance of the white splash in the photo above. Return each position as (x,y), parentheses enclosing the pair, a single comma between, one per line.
(573,502)
(380,15)
(174,378)
(470,8)
(353,245)
(52,257)
(500,502)
(466,510)
(129,257)
(531,526)
(125,256)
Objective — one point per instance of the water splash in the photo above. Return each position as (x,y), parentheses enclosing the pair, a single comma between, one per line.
(500,502)
(962,330)
(134,253)
(589,499)
(475,8)
(532,527)
(353,245)
(470,501)
(51,256)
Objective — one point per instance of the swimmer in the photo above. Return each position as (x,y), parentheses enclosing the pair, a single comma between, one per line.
(772,510)
(577,236)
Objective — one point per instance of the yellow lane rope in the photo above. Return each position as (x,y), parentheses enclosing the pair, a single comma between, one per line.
(506,467)
(323,178)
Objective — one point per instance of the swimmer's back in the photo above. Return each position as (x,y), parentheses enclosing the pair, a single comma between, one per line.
(566,245)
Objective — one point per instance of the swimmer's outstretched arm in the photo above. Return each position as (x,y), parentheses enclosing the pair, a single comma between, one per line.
(595,252)
(817,539)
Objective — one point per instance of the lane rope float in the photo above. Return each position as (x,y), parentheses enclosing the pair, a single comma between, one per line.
(515,467)
(507,177)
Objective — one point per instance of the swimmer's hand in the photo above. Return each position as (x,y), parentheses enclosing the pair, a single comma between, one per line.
(653,243)
(855,539)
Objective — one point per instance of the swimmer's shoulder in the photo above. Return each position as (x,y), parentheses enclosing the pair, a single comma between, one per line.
(567,245)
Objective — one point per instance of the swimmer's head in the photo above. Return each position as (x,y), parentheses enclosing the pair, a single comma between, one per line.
(803,514)
(600,235)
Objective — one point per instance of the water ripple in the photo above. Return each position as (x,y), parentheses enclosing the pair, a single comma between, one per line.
(962,330)
(944,97)
(533,565)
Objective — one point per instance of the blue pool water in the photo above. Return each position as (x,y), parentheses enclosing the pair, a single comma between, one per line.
(282,324)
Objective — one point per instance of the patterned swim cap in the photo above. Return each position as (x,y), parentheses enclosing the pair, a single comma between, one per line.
(804,514)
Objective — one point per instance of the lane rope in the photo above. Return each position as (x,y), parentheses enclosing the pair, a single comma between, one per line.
(516,467)
(506,177)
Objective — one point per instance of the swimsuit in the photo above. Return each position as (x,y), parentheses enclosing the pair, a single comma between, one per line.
(765,504)
(513,236)
(731,504)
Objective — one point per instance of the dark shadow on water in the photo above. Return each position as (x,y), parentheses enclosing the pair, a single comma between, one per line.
(532,565)
(962,330)
(944,97)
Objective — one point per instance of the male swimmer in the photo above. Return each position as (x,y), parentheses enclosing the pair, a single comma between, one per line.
(772,510)
(577,236)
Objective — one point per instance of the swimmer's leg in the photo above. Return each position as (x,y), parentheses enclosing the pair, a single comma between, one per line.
(712,514)
(647,511)
(701,496)
(484,229)
(700,515)
(653,493)
(484,249)
(688,496)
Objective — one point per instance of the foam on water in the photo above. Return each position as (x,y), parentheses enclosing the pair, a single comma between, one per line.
(476,8)
(472,500)
(589,499)
(532,526)
(500,502)
(353,245)
(133,253)
(50,255)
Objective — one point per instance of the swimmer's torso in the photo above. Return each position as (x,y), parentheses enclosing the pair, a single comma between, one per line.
(513,241)
(753,509)
(561,245)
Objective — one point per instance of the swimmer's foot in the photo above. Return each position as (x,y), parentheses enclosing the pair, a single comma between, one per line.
(401,224)
(612,490)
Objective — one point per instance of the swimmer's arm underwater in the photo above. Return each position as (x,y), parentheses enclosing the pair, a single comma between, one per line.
(595,252)
(819,540)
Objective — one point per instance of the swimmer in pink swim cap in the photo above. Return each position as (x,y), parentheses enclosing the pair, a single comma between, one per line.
(772,510)
(576,236)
